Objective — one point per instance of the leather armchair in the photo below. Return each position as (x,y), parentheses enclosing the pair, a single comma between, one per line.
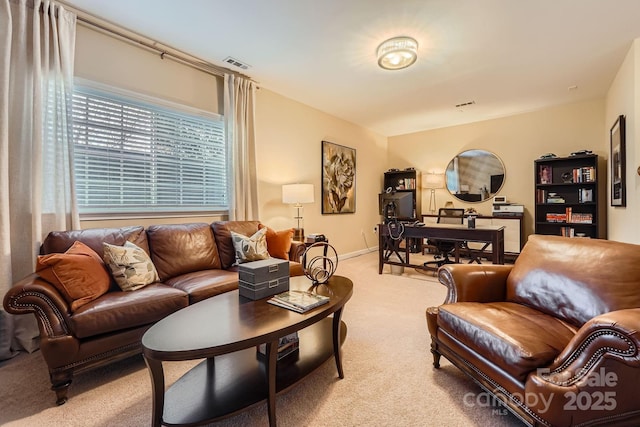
(555,337)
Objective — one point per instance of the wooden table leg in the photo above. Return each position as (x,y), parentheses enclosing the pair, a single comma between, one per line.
(272,355)
(336,342)
(157,390)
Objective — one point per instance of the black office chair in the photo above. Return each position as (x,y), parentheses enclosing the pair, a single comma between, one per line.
(444,248)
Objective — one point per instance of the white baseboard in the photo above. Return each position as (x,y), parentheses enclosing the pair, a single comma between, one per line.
(358,253)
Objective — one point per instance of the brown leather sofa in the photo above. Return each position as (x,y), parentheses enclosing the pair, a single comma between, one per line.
(555,337)
(194,262)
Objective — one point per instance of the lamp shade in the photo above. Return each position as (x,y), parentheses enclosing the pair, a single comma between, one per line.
(433,180)
(297,193)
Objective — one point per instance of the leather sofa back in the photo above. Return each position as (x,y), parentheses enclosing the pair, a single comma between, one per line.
(576,279)
(222,231)
(182,248)
(60,241)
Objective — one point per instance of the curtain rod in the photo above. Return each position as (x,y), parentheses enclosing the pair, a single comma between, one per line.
(165,52)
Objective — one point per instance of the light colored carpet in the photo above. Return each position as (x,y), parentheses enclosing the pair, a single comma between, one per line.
(389,377)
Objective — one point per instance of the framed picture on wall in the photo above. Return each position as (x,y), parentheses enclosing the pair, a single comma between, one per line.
(338,179)
(618,163)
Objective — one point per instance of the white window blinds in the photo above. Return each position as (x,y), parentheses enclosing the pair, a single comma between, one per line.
(136,157)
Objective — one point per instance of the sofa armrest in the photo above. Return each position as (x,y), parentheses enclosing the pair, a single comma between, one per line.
(474,282)
(35,295)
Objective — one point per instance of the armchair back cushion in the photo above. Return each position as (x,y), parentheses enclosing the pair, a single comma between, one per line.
(558,276)
(222,231)
(182,248)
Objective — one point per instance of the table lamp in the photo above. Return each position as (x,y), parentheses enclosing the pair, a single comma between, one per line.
(432,181)
(297,194)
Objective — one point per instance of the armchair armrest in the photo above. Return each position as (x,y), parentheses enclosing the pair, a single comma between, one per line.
(35,295)
(596,375)
(474,282)
(614,335)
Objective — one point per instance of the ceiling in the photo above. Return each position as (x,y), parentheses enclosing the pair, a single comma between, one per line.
(509,56)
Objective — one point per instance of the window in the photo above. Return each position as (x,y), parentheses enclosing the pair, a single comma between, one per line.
(135,156)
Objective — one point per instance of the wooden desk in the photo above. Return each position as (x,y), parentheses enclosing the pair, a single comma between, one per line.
(389,239)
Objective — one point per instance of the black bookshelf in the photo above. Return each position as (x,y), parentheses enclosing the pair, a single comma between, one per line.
(570,198)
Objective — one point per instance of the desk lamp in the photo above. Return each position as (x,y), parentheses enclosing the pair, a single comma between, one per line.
(432,181)
(297,194)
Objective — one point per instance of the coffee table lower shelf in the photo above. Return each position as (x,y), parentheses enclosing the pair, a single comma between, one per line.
(221,387)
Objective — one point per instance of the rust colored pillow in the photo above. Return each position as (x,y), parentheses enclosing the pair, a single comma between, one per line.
(279,242)
(79,274)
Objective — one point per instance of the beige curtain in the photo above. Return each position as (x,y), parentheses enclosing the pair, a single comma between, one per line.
(37,43)
(239,114)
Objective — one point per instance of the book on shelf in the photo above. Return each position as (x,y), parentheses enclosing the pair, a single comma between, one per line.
(585,174)
(298,301)
(556,217)
(556,199)
(582,218)
(567,232)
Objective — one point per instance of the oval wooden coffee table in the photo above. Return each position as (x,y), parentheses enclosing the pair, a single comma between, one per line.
(225,330)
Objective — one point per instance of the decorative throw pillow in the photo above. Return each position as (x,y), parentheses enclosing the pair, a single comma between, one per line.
(79,274)
(252,248)
(130,266)
(279,242)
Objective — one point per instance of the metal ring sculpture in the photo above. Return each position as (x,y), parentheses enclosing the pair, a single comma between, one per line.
(320,268)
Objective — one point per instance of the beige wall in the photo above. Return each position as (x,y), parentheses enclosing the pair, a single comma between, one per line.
(109,61)
(289,136)
(624,98)
(518,140)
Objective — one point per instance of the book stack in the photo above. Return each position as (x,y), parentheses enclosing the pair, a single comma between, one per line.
(556,217)
(555,198)
(298,301)
(586,174)
(582,218)
(567,231)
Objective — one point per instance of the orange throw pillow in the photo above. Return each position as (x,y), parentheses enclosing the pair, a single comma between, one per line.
(79,274)
(279,242)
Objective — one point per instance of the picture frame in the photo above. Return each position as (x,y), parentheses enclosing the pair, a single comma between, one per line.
(618,163)
(338,179)
(545,174)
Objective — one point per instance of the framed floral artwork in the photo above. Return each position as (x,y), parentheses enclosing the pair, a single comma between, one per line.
(338,179)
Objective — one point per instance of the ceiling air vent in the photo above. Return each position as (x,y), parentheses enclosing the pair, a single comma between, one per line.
(232,61)
(465,104)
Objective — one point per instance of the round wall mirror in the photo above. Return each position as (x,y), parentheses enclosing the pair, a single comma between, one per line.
(475,175)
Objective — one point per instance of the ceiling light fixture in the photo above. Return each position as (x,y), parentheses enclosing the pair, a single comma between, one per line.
(397,53)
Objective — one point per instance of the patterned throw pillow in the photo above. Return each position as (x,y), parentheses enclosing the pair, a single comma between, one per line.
(130,266)
(252,248)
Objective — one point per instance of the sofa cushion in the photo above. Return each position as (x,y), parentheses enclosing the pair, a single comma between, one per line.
(515,337)
(572,278)
(279,242)
(250,248)
(121,310)
(182,248)
(203,284)
(130,266)
(78,274)
(60,241)
(222,231)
